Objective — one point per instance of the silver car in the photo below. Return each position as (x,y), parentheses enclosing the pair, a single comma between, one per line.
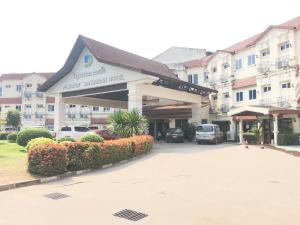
(209,133)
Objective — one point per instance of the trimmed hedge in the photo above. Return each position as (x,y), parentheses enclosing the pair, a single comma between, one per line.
(39,141)
(47,159)
(250,138)
(288,139)
(69,139)
(3,135)
(12,137)
(28,134)
(91,138)
(85,155)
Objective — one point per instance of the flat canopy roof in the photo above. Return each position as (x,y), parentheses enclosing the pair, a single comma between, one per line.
(114,56)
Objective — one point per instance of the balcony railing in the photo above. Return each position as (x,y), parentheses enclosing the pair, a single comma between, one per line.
(283,102)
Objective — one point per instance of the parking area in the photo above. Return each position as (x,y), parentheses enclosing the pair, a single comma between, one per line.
(180,184)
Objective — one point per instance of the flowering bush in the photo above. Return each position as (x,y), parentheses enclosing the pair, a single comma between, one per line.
(85,155)
(47,159)
(39,141)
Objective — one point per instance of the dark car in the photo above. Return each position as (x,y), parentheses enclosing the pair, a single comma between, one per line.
(174,135)
(107,135)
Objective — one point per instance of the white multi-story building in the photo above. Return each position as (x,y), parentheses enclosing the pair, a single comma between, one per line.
(18,91)
(257,81)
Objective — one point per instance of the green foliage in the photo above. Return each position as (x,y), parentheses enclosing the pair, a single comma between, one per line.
(3,135)
(39,141)
(250,137)
(12,137)
(128,124)
(189,131)
(47,159)
(69,139)
(288,139)
(28,134)
(13,118)
(91,138)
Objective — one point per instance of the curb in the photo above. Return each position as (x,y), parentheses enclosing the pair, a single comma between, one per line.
(44,180)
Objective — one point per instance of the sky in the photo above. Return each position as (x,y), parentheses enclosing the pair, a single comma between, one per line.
(37,35)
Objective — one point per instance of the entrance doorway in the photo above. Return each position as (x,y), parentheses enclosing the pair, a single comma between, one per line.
(267,129)
(224,127)
(159,125)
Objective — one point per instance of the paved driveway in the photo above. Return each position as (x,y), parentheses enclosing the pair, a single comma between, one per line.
(175,184)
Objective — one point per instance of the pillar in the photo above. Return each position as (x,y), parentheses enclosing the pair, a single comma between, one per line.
(59,112)
(172,123)
(197,114)
(241,131)
(275,125)
(135,97)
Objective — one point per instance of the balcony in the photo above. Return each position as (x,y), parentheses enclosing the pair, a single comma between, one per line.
(283,102)
(224,108)
(39,115)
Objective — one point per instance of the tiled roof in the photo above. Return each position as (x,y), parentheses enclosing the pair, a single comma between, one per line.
(20,76)
(246,82)
(198,62)
(50,99)
(10,100)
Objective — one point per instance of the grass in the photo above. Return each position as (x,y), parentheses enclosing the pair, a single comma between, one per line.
(13,163)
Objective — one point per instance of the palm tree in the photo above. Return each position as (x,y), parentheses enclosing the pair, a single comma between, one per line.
(127,124)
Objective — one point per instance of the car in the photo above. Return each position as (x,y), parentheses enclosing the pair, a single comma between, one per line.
(107,135)
(174,135)
(73,131)
(209,133)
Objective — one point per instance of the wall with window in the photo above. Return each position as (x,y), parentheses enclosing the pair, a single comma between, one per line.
(245,96)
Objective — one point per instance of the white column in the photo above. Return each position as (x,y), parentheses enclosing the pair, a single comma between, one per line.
(197,112)
(241,131)
(275,124)
(172,123)
(135,97)
(59,112)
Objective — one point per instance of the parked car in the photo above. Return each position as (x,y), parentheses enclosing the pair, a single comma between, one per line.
(174,134)
(73,131)
(209,133)
(107,135)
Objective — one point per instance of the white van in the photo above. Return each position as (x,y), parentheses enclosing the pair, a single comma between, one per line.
(209,133)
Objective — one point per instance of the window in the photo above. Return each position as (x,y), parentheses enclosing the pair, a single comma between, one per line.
(238,64)
(28,85)
(106,109)
(50,108)
(190,78)
(195,79)
(215,97)
(72,106)
(226,95)
(8,86)
(239,96)
(18,107)
(284,46)
(39,106)
(96,108)
(267,88)
(18,87)
(251,60)
(225,66)
(27,106)
(66,129)
(7,106)
(286,85)
(252,94)
(0,91)
(214,69)
(205,75)
(265,52)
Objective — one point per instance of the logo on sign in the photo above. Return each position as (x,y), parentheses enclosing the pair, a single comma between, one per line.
(88,60)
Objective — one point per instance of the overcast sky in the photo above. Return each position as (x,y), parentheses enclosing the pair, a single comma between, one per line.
(37,35)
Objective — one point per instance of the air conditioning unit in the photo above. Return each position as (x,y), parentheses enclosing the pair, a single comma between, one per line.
(262,68)
(282,64)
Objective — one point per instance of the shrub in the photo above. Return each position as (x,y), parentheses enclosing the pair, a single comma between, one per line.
(91,138)
(3,135)
(69,139)
(39,141)
(250,138)
(12,137)
(26,135)
(288,139)
(47,159)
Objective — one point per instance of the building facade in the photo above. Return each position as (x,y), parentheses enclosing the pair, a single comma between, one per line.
(18,91)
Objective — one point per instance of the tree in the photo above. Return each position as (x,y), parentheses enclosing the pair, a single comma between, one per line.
(128,124)
(13,118)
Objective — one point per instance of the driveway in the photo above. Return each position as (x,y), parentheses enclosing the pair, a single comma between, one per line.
(175,184)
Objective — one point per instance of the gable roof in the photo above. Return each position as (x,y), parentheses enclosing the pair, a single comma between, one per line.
(21,76)
(110,55)
(246,82)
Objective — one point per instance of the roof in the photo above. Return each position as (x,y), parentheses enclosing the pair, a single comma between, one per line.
(10,100)
(203,61)
(258,110)
(20,76)
(50,99)
(110,55)
(246,82)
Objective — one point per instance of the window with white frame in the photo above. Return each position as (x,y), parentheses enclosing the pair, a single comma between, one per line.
(267,88)
(265,52)
(50,108)
(27,106)
(106,109)
(18,87)
(285,45)
(18,107)
(190,78)
(238,64)
(286,85)
(251,60)
(96,108)
(195,79)
(252,94)
(8,86)
(28,85)
(72,106)
(239,96)
(205,75)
